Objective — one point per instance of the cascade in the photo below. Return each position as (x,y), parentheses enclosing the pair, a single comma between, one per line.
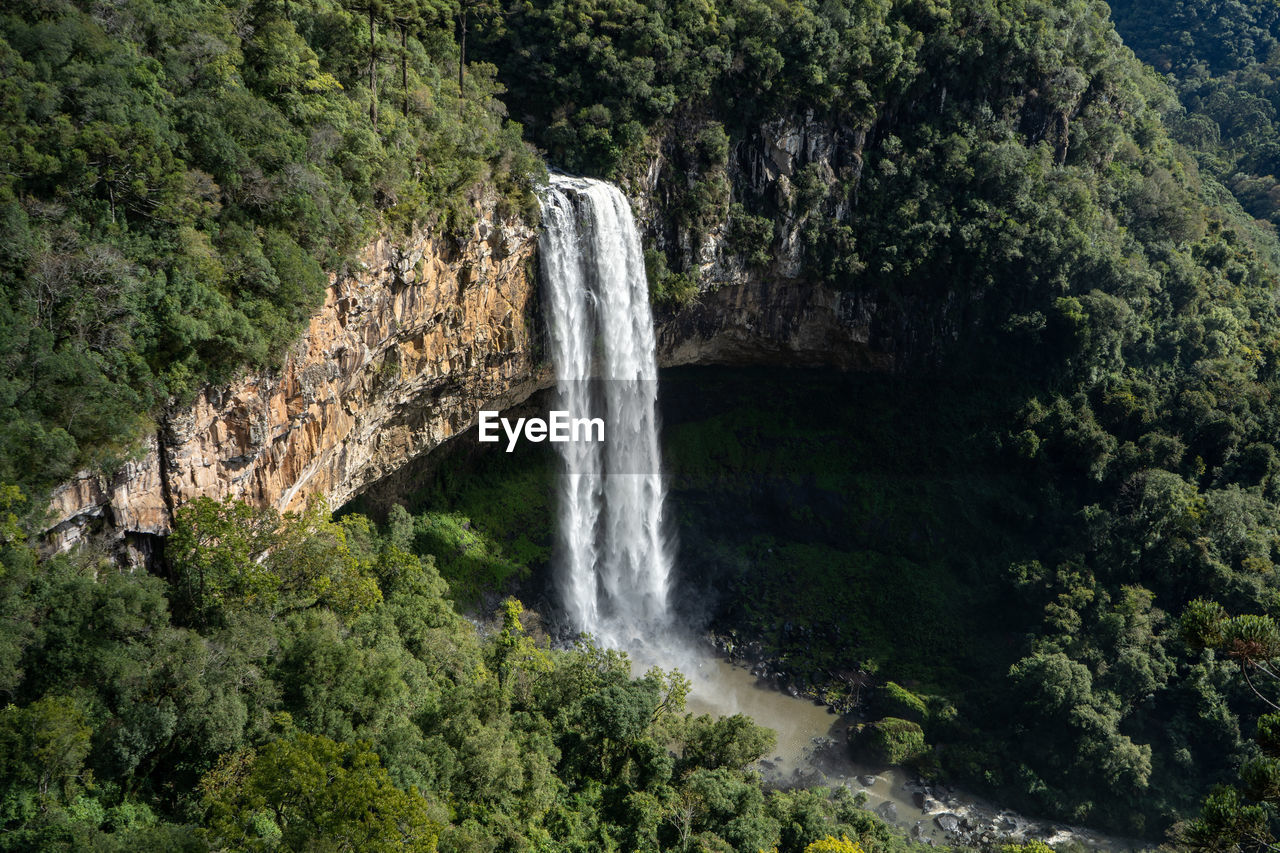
(615,565)
(614,562)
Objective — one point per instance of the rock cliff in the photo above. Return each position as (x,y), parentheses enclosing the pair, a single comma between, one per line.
(761,320)
(773,313)
(426,331)
(407,348)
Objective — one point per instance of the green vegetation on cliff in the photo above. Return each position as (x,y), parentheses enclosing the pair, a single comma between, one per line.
(944,149)
(177,179)
(1223,59)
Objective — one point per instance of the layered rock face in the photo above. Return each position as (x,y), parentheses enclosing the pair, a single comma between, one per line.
(759,320)
(773,313)
(404,353)
(427,331)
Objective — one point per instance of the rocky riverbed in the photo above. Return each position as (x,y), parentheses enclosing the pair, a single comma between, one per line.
(813,749)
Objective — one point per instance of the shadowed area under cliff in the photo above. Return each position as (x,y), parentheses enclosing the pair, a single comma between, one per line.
(891,527)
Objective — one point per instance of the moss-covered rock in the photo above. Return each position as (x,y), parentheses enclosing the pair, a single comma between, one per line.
(890,740)
(894,700)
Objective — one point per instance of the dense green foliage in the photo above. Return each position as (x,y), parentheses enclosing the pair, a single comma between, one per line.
(1241,816)
(895,537)
(178,179)
(485,518)
(974,142)
(1002,188)
(877,540)
(151,715)
(1224,60)
(991,572)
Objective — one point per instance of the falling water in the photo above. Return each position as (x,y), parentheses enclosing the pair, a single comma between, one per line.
(615,564)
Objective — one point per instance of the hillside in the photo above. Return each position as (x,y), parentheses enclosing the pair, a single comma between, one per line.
(1052,512)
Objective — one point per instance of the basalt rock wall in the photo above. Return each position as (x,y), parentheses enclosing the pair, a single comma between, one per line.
(419,336)
(425,331)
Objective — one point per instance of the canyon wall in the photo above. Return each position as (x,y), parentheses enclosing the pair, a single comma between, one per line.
(408,347)
(774,313)
(425,331)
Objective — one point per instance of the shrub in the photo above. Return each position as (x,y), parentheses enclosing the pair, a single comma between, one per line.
(891,740)
(897,701)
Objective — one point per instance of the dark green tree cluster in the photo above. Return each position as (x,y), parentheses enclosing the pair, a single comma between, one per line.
(1224,61)
(178,179)
(1241,816)
(970,141)
(896,551)
(305,684)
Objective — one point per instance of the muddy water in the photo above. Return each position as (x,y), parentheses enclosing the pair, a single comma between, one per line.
(812,749)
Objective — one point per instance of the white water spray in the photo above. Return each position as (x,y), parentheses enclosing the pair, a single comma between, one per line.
(615,564)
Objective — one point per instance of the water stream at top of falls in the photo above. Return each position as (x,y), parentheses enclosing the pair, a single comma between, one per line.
(616,565)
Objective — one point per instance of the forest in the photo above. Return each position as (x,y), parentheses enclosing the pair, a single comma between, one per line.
(1048,540)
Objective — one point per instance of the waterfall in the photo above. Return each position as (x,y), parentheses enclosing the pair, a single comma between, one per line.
(614,563)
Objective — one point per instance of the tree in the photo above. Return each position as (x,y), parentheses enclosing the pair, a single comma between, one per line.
(44,745)
(1252,641)
(467,8)
(831,844)
(1239,817)
(230,556)
(306,792)
(733,742)
(216,554)
(411,17)
(1228,821)
(372,10)
(515,653)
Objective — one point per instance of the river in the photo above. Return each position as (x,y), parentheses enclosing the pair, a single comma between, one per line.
(812,749)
